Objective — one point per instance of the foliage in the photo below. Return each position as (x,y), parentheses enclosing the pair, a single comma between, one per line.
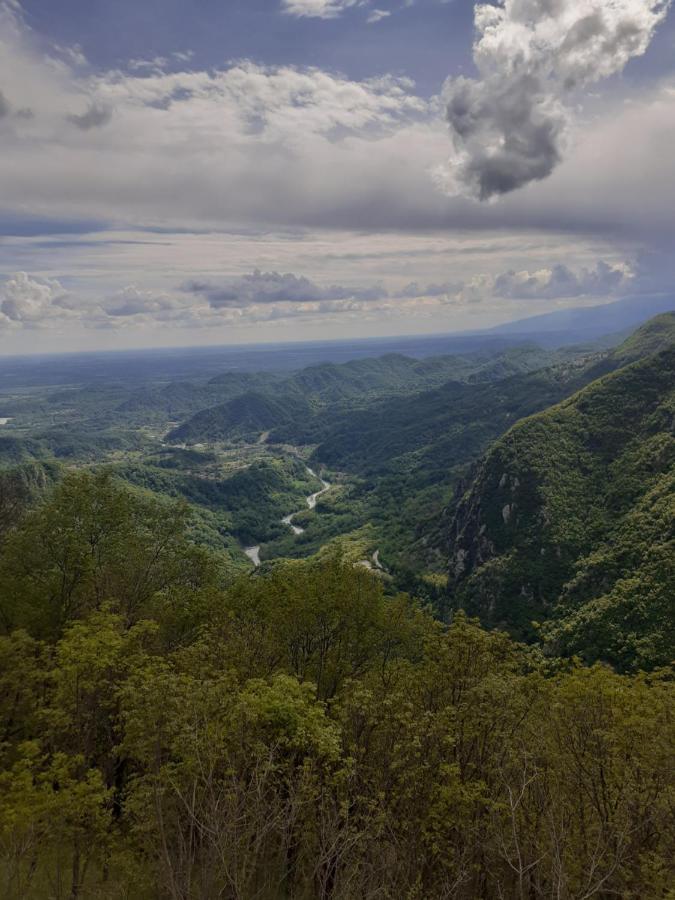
(94,544)
(570,519)
(169,729)
(299,733)
(446,764)
(248,503)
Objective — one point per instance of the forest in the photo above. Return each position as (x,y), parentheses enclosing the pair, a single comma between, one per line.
(453,682)
(171,731)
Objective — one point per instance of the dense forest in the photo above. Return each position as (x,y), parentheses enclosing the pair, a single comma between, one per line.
(482,711)
(573,512)
(168,731)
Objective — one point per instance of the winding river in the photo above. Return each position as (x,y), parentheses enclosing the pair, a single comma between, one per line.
(253,553)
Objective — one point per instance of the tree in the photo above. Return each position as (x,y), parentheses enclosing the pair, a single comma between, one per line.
(95,544)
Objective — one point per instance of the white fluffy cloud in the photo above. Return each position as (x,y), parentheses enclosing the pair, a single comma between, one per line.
(510,124)
(213,162)
(561,282)
(317,9)
(263,288)
(557,282)
(28,300)
(245,143)
(134,301)
(377,15)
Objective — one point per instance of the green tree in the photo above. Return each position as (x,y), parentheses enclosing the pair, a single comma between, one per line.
(95,543)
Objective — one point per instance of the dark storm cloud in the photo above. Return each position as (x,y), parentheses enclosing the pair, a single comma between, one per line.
(509,124)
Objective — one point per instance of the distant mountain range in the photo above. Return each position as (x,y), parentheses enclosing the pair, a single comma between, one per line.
(319,397)
(589,322)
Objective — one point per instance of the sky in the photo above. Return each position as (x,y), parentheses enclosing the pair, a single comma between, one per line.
(185,172)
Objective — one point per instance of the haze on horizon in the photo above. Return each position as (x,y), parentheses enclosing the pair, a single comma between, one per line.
(205,172)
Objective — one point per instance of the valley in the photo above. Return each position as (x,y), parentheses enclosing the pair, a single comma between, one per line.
(382,460)
(253,553)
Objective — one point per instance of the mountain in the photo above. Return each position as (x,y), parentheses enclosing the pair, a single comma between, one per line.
(461,417)
(654,336)
(245,416)
(333,387)
(402,455)
(591,321)
(362,378)
(569,518)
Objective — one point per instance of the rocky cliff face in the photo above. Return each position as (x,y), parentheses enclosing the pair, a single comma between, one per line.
(554,490)
(506,565)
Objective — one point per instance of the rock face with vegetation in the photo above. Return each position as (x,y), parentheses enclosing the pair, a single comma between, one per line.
(569,518)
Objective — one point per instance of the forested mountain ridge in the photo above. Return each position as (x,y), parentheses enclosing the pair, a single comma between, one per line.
(655,335)
(323,393)
(248,415)
(401,425)
(405,454)
(570,516)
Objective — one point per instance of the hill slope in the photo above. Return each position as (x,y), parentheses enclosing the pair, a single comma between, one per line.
(247,415)
(570,515)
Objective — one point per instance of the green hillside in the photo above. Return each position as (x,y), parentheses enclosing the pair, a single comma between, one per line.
(306,405)
(248,504)
(652,337)
(244,416)
(405,454)
(177,723)
(570,516)
(458,418)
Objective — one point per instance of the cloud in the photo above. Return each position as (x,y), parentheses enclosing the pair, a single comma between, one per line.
(510,124)
(443,289)
(264,288)
(29,302)
(96,116)
(317,9)
(253,146)
(25,299)
(160,63)
(559,282)
(135,301)
(377,15)
(7,110)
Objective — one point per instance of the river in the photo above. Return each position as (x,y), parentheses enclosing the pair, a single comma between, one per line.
(253,553)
